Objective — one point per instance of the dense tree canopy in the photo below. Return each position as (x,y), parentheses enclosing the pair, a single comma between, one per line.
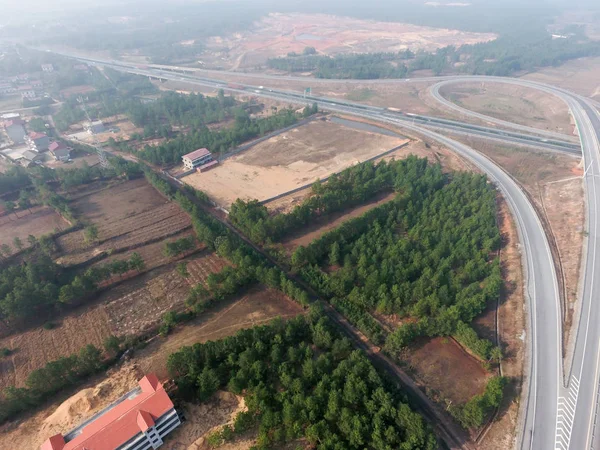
(300,379)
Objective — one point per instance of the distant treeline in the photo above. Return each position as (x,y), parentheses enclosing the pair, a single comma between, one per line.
(507,55)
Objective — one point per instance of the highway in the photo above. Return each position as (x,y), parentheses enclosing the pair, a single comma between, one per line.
(555,414)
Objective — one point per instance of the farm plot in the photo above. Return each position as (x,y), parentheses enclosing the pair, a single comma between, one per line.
(291,160)
(141,216)
(152,254)
(140,309)
(128,308)
(41,220)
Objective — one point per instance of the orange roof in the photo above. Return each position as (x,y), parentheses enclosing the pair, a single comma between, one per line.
(120,422)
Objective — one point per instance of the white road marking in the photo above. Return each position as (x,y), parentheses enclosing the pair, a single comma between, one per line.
(566,415)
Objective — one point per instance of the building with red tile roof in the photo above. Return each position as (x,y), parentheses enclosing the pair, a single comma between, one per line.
(137,421)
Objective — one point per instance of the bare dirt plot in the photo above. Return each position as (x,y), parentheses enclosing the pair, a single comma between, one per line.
(325,224)
(34,348)
(511,322)
(434,153)
(564,208)
(278,34)
(290,160)
(445,370)
(257,306)
(61,417)
(140,215)
(580,75)
(41,220)
(513,103)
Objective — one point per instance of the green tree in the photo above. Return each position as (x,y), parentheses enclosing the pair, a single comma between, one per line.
(18,243)
(183,270)
(90,233)
(90,360)
(112,345)
(37,124)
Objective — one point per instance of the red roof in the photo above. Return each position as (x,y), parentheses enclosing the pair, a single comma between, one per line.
(120,422)
(35,135)
(56,146)
(197,154)
(10,123)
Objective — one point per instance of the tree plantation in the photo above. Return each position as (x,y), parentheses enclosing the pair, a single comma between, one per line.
(300,379)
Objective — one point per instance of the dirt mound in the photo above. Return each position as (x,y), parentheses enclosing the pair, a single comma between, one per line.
(87,402)
(73,411)
(203,419)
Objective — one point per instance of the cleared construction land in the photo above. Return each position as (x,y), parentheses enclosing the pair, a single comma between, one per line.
(291,160)
(278,34)
(512,103)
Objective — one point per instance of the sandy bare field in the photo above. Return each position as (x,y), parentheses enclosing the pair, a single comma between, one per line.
(290,160)
(513,103)
(278,34)
(579,75)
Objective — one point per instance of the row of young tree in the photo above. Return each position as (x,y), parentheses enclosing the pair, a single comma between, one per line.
(349,188)
(301,380)
(217,141)
(38,287)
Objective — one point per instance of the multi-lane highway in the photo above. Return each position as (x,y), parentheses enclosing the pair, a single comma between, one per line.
(559,410)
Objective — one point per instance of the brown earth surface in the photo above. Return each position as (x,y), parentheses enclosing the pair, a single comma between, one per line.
(41,220)
(278,34)
(140,215)
(290,160)
(516,104)
(324,224)
(579,75)
(511,324)
(445,371)
(130,308)
(257,306)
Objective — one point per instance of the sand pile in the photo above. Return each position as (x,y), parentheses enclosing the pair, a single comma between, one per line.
(69,414)
(204,419)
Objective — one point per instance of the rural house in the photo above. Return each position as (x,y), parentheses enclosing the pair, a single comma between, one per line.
(38,142)
(47,67)
(60,151)
(137,421)
(200,159)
